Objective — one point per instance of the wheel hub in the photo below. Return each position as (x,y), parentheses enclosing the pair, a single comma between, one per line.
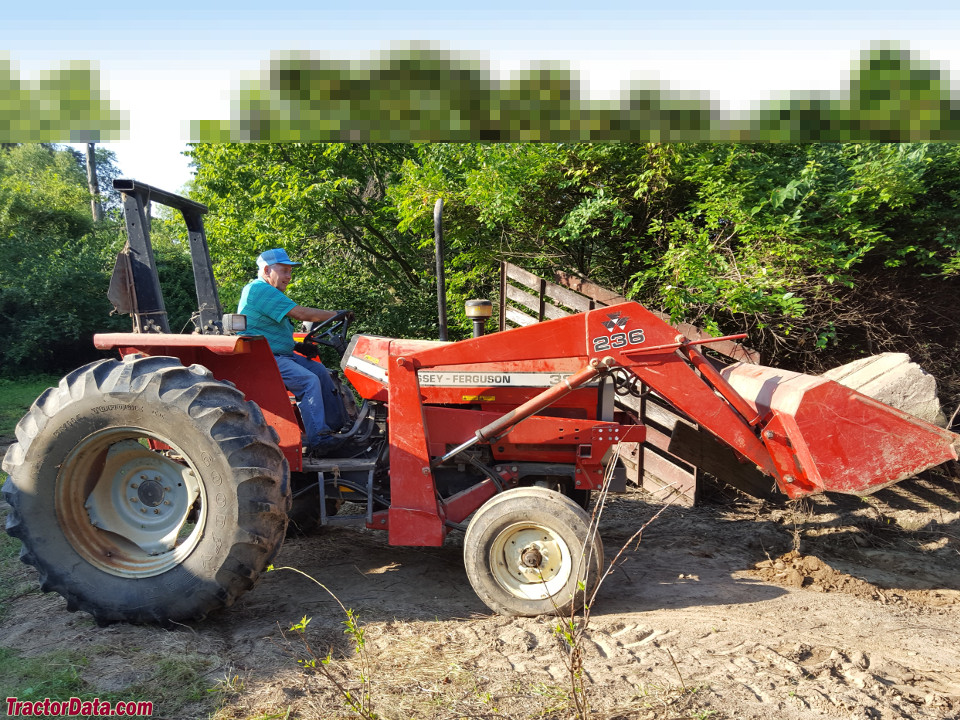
(531,557)
(150,492)
(531,561)
(538,560)
(142,496)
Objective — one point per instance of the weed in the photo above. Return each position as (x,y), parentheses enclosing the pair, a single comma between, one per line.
(228,686)
(670,699)
(485,698)
(801,514)
(9,546)
(274,716)
(359,702)
(174,684)
(571,630)
(177,681)
(555,699)
(677,668)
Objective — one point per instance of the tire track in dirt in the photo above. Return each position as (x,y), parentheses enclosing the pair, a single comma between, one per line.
(699,617)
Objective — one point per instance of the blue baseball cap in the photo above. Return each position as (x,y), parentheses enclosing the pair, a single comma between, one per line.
(277,256)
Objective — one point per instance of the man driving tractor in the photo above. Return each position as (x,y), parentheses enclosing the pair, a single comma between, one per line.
(269,313)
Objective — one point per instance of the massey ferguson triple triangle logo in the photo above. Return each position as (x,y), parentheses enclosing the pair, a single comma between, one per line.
(616,324)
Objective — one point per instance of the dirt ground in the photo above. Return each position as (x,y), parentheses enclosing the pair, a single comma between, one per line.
(834,607)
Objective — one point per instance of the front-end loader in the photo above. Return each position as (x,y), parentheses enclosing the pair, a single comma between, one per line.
(156,487)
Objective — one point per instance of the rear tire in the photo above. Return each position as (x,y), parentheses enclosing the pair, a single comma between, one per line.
(128,531)
(528,551)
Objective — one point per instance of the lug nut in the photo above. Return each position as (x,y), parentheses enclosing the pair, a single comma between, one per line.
(134,485)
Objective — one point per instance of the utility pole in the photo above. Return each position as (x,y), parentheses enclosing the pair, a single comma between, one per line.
(92,183)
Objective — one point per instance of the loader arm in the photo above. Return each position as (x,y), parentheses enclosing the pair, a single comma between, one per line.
(817,436)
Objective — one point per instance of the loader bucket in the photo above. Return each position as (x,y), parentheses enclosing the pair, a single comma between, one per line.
(825,437)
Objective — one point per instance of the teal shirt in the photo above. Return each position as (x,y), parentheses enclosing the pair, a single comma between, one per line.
(266,309)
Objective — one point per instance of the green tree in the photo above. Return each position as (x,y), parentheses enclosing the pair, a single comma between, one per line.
(328,206)
(54,262)
(822,252)
(813,249)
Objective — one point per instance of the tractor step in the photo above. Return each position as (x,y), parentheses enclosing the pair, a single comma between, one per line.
(345,472)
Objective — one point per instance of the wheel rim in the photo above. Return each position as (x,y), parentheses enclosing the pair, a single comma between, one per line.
(530,561)
(126,508)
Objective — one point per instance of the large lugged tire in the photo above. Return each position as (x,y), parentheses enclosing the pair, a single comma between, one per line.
(128,532)
(528,551)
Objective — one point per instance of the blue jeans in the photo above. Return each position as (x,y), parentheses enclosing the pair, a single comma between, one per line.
(321,406)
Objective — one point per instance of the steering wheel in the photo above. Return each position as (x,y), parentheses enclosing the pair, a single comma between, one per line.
(332,332)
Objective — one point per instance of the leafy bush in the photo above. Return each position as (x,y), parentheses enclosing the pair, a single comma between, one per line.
(54,270)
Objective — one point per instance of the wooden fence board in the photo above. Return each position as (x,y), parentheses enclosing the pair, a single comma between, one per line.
(568,298)
(595,292)
(532,302)
(668,481)
(519,318)
(522,276)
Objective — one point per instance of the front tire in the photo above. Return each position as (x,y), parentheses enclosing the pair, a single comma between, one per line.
(146,491)
(529,551)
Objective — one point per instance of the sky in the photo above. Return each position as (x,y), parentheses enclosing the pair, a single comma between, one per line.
(170,63)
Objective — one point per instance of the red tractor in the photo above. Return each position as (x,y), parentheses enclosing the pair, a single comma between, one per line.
(156,487)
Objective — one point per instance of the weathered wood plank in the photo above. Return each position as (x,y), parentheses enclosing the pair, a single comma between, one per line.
(701,449)
(593,291)
(658,439)
(532,302)
(567,298)
(519,318)
(667,481)
(522,276)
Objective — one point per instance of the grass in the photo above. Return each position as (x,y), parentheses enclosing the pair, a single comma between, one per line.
(16,397)
(14,577)
(172,684)
(53,675)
